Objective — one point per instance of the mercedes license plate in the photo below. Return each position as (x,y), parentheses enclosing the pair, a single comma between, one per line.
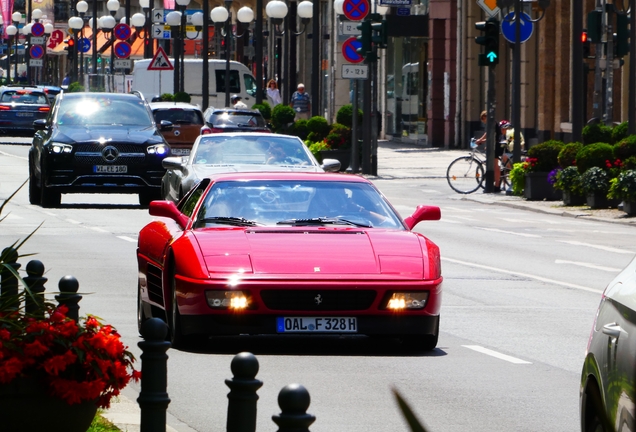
(316,325)
(110,169)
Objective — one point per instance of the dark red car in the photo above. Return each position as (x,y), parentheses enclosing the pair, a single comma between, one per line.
(289,253)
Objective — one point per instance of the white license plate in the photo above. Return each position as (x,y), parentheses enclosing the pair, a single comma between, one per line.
(110,169)
(24,114)
(179,152)
(316,325)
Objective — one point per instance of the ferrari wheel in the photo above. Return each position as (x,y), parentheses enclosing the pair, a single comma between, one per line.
(177,338)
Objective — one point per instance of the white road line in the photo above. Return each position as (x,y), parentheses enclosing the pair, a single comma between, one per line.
(525,275)
(593,266)
(128,239)
(605,248)
(73,221)
(98,229)
(451,221)
(49,213)
(510,232)
(496,354)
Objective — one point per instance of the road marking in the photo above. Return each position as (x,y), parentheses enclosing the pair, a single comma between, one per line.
(73,221)
(451,221)
(98,229)
(11,216)
(12,155)
(605,248)
(510,232)
(525,275)
(593,266)
(496,354)
(128,239)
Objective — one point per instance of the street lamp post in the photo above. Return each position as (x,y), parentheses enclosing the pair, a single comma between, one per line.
(138,21)
(76,23)
(12,30)
(82,8)
(108,23)
(148,43)
(16,17)
(48,30)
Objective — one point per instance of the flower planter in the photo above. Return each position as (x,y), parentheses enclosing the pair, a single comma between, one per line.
(344,156)
(599,200)
(629,207)
(571,199)
(27,407)
(537,188)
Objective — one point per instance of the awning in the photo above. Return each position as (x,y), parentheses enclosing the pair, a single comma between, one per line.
(104,43)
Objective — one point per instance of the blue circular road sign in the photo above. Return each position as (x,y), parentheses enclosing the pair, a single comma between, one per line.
(122,50)
(37,29)
(355,10)
(36,51)
(349,50)
(122,31)
(83,44)
(508,27)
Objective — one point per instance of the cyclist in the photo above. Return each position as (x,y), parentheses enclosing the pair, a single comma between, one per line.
(501,127)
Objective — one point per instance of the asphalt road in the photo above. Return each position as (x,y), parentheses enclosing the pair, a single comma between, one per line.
(520,292)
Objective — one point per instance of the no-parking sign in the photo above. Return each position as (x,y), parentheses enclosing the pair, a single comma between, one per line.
(355,10)
(349,50)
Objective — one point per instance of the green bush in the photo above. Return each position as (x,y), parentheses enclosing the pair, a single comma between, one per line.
(316,147)
(75,87)
(344,115)
(596,132)
(620,132)
(595,180)
(167,97)
(518,178)
(339,137)
(299,128)
(282,116)
(265,109)
(629,163)
(625,148)
(182,97)
(567,155)
(318,127)
(623,187)
(569,180)
(594,155)
(545,156)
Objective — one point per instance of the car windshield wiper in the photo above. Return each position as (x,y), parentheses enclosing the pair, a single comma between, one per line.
(229,220)
(321,221)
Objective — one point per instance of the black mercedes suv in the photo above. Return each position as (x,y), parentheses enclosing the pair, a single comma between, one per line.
(97,143)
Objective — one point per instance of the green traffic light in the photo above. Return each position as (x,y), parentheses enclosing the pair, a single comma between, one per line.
(492,57)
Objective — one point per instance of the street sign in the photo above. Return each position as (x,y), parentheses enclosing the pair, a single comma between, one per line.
(395,2)
(122,64)
(355,10)
(36,51)
(354,71)
(489,6)
(56,38)
(349,50)
(403,11)
(508,27)
(122,49)
(350,28)
(159,15)
(159,32)
(36,62)
(160,61)
(37,40)
(122,31)
(37,29)
(83,45)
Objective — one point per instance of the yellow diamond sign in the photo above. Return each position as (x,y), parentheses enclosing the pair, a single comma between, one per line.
(489,6)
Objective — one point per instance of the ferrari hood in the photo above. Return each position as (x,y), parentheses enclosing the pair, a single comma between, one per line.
(315,251)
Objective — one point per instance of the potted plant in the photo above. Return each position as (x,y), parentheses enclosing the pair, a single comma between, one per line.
(339,145)
(542,158)
(568,181)
(623,188)
(596,183)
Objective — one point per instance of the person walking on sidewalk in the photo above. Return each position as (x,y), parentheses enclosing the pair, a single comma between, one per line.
(301,103)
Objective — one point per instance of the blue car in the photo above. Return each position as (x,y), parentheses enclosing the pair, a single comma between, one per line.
(20,106)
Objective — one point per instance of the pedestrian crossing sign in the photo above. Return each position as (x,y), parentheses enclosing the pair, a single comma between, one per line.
(160,61)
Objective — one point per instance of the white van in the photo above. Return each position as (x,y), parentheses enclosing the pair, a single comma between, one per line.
(152,83)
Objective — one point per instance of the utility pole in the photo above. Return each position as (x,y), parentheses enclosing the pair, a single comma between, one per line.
(595,25)
(608,33)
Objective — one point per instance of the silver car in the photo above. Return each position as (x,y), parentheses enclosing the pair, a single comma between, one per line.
(238,152)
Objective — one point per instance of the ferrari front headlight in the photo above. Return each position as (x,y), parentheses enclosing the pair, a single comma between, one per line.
(235,300)
(406,300)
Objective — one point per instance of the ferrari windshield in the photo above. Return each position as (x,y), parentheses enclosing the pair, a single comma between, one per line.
(249,150)
(295,203)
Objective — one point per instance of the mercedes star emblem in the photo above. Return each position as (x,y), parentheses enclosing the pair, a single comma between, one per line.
(110,153)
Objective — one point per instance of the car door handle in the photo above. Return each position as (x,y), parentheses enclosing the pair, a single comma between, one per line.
(612,329)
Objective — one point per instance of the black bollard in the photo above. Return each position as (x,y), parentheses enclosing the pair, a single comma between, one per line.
(34,298)
(242,398)
(68,296)
(8,281)
(153,398)
(293,401)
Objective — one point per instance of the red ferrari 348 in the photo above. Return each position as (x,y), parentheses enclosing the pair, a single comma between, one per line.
(289,253)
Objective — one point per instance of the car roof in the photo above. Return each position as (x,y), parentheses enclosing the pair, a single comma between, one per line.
(287,175)
(183,105)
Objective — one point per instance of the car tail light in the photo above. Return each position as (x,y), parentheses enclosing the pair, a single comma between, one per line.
(235,300)
(206,130)
(216,130)
(5,107)
(406,300)
(44,109)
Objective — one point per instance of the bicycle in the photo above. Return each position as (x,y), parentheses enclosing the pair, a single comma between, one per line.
(466,173)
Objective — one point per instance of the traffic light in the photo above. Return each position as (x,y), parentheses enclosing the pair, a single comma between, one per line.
(490,41)
(586,44)
(365,38)
(70,47)
(621,44)
(379,34)
(595,26)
